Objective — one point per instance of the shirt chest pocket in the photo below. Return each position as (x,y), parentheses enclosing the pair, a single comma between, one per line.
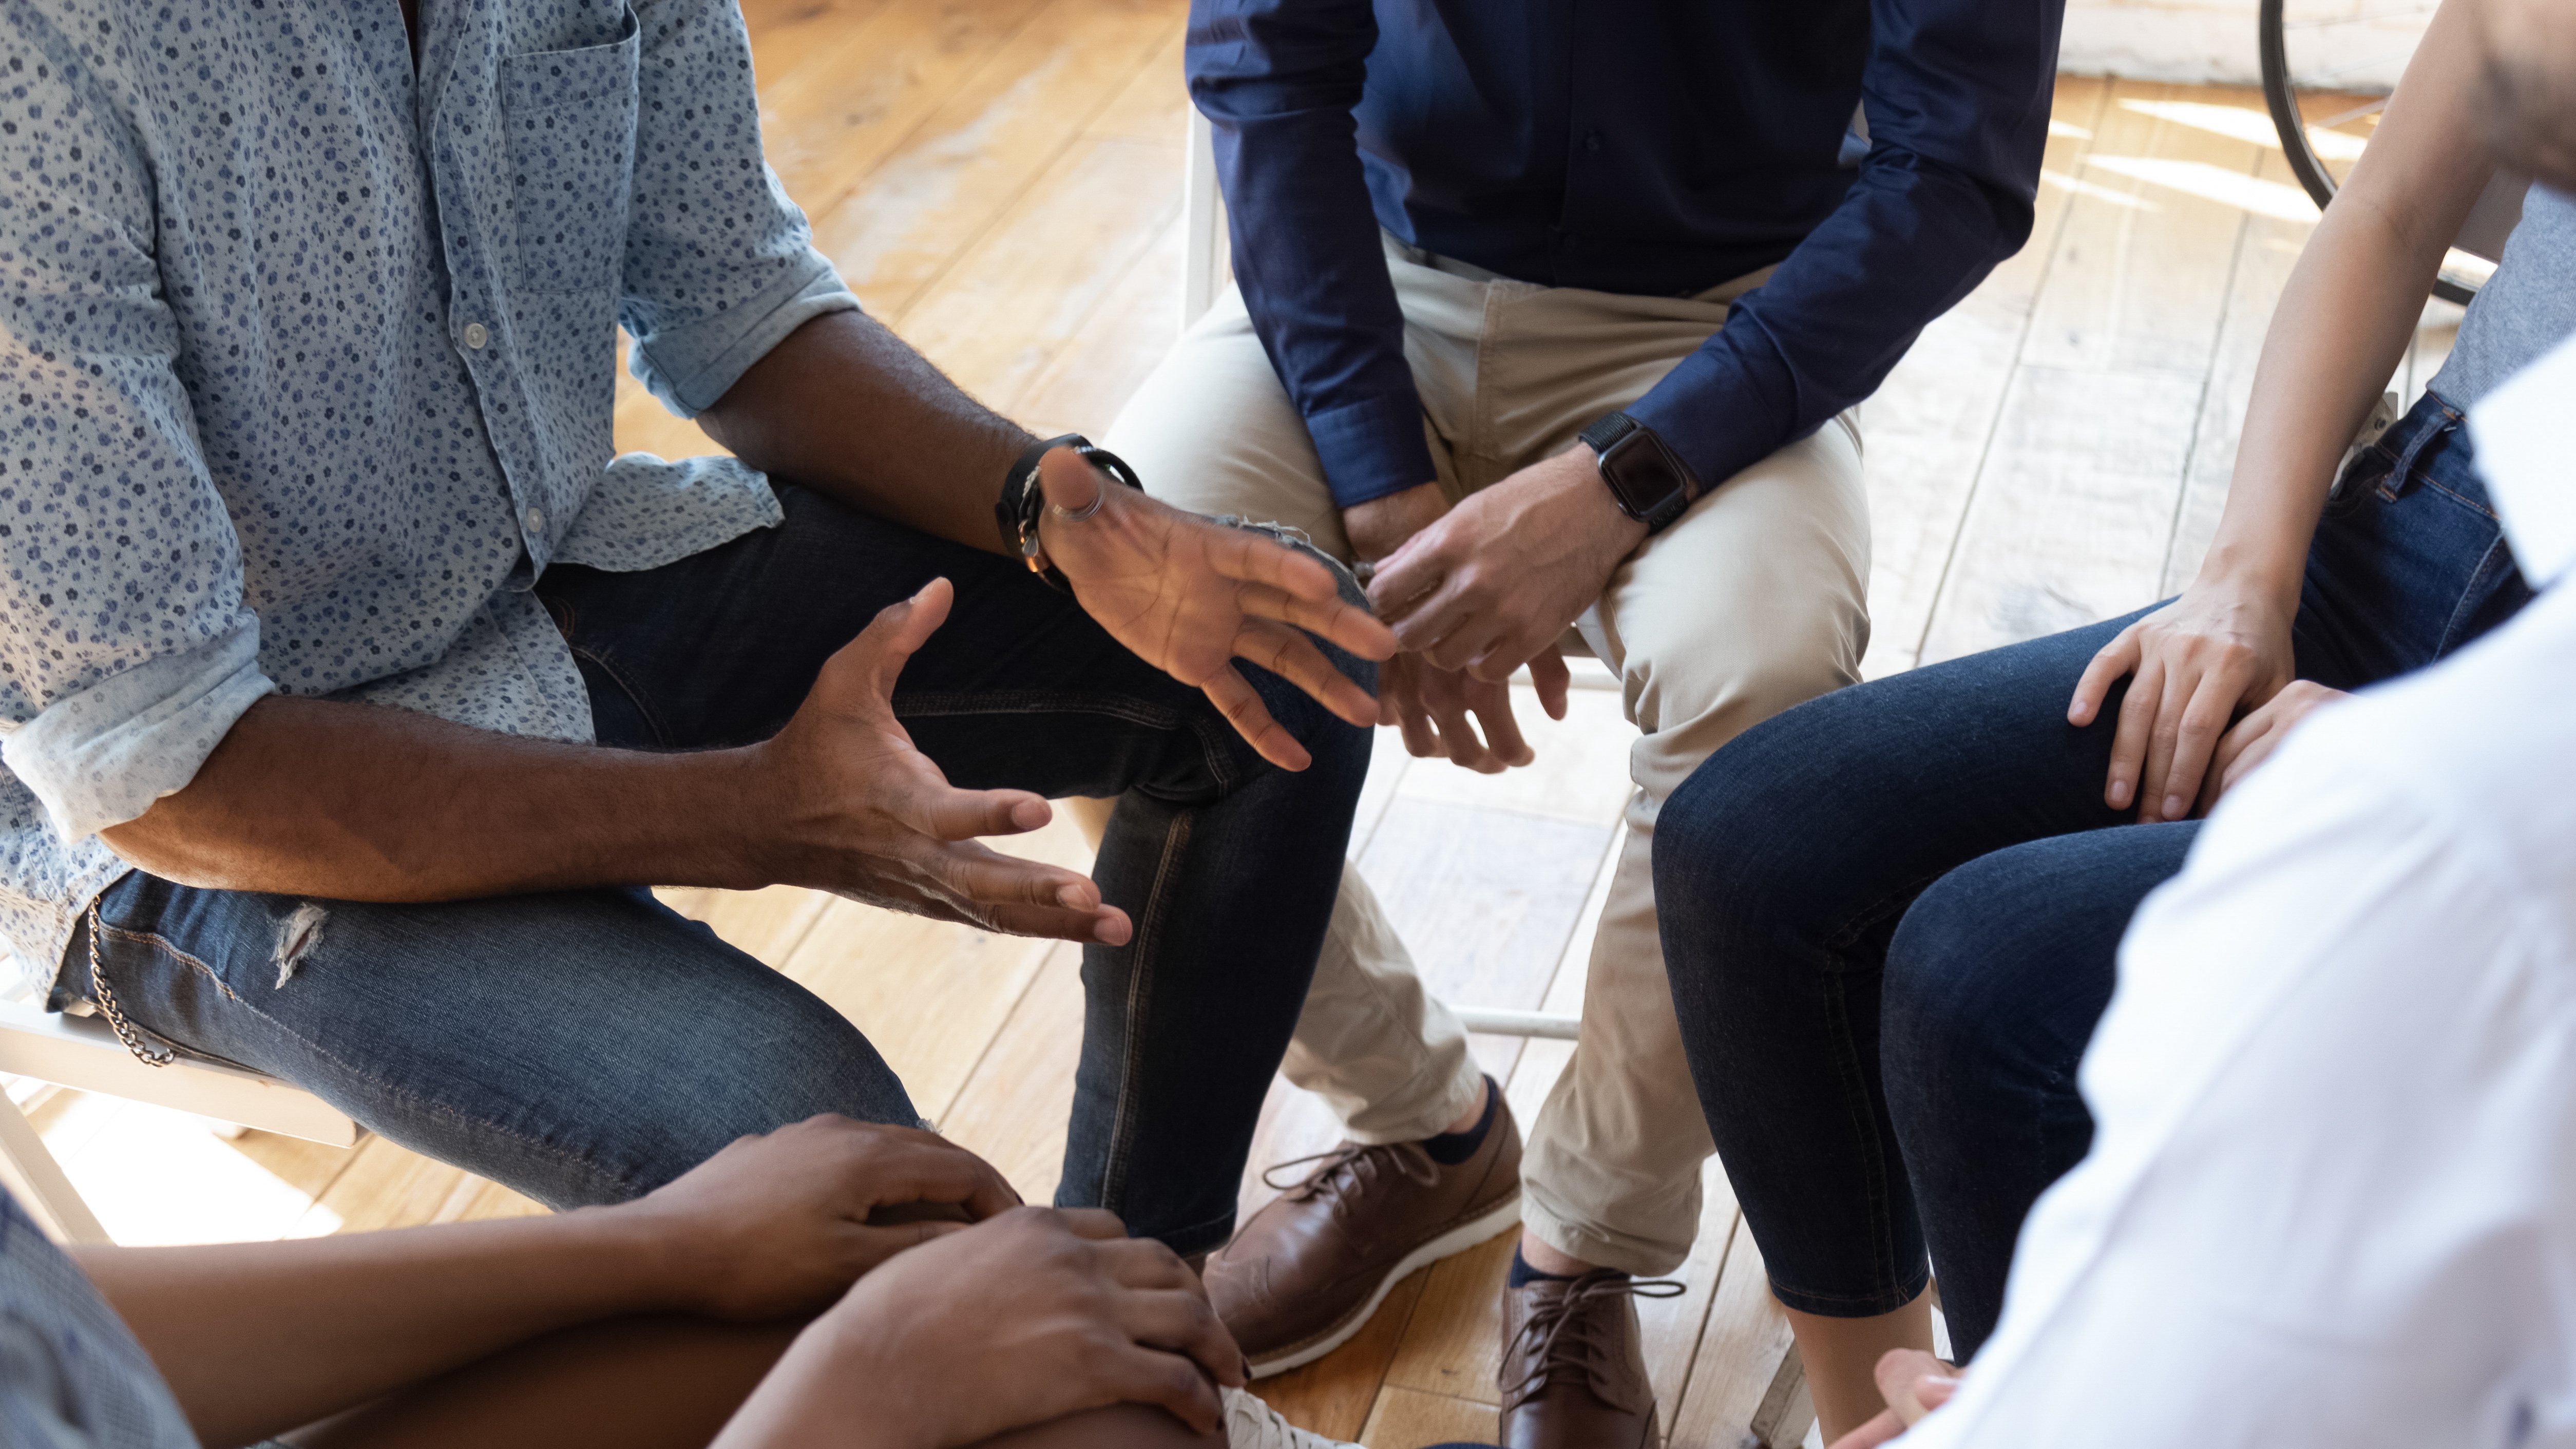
(570,119)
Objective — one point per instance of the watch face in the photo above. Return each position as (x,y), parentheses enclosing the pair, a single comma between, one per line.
(1643,475)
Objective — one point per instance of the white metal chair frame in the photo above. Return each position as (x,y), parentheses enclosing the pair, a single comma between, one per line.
(82,1053)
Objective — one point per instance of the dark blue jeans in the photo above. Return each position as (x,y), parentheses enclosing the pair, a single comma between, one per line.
(589,1046)
(1891,914)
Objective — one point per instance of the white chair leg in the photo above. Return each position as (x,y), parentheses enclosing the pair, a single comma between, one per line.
(1204,268)
(33,1176)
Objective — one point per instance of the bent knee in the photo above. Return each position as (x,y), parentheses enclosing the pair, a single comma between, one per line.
(1999,968)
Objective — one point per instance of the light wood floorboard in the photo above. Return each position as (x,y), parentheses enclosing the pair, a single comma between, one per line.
(999,180)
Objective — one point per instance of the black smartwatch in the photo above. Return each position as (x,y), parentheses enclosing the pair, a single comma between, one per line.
(1023,501)
(1647,479)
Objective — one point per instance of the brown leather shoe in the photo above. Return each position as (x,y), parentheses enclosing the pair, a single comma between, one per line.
(1573,1374)
(1308,1270)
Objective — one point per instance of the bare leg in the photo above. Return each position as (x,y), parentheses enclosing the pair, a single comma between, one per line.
(639,1382)
(652,1383)
(1536,1252)
(1841,1357)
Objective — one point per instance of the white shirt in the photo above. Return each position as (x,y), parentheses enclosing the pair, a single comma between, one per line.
(2332,1193)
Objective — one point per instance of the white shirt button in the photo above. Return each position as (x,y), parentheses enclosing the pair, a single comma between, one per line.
(476,334)
(536,520)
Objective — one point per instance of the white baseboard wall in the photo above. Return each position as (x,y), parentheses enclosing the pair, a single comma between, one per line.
(2201,42)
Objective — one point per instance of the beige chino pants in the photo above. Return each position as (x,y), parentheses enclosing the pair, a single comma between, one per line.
(1754,600)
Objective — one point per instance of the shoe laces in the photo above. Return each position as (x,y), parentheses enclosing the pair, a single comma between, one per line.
(1252,1424)
(1352,1167)
(1559,1337)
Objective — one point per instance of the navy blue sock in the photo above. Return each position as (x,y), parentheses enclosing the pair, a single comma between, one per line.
(1451,1148)
(1524,1275)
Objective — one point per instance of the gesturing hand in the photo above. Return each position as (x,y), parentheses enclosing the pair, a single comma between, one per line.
(1499,577)
(1191,596)
(2197,661)
(1431,705)
(1034,1315)
(864,814)
(778,1224)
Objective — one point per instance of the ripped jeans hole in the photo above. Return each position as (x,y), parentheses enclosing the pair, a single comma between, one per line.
(297,935)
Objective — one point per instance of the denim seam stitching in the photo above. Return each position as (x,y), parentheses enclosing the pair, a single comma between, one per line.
(1882,1220)
(944,705)
(2473,596)
(643,706)
(2462,499)
(1222,1220)
(1140,982)
(1855,1094)
(164,944)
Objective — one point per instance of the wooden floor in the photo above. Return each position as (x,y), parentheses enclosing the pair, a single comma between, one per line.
(999,180)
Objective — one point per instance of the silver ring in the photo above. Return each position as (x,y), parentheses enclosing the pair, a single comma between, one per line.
(1058,510)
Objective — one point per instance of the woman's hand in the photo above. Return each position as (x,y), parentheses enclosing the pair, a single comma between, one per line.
(2254,738)
(2195,663)
(1037,1314)
(779,1224)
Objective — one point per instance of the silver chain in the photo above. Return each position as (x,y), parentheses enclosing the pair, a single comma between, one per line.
(115,1014)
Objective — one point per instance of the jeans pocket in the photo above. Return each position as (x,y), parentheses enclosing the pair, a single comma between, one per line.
(570,119)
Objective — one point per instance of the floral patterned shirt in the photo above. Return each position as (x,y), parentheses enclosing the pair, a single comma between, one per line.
(307,362)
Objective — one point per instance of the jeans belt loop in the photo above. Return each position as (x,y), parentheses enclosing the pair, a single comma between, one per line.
(2401,477)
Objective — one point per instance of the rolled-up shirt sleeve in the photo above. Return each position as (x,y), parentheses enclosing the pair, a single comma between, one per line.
(127,650)
(720,265)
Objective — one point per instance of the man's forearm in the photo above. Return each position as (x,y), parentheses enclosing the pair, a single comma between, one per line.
(355,802)
(257,1338)
(846,407)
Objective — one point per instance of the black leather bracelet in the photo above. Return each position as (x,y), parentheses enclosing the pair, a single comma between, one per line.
(1023,501)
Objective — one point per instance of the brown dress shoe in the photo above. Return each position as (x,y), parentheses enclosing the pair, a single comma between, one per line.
(1308,1270)
(1574,1369)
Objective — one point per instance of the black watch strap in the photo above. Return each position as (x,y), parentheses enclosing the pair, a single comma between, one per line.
(1023,501)
(1601,436)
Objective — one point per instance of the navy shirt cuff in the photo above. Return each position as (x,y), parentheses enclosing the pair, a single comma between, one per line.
(1372,448)
(1720,411)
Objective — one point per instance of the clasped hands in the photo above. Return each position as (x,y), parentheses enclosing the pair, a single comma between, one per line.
(1477,590)
(948,1311)
(2211,695)
(1472,593)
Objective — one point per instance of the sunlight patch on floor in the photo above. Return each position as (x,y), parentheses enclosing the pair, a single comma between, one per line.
(2094,189)
(157,1177)
(2214,183)
(2245,123)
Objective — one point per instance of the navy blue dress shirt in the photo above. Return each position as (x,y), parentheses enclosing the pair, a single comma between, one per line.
(1639,146)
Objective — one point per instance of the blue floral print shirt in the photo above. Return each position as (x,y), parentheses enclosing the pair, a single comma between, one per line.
(306,368)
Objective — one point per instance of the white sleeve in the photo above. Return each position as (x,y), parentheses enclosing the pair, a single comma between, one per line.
(2326,1198)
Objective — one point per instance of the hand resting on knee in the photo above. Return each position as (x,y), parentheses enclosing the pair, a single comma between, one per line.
(1018,1321)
